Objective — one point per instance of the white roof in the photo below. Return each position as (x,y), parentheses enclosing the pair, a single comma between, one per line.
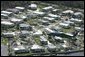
(49,30)
(33,5)
(44,21)
(42,38)
(69,34)
(35,46)
(48,18)
(19,48)
(23,17)
(52,15)
(77,13)
(64,45)
(69,22)
(37,12)
(19,7)
(68,11)
(9,33)
(3,14)
(55,9)
(16,20)
(78,28)
(56,27)
(51,46)
(39,32)
(49,7)
(63,24)
(18,42)
(7,23)
(77,20)
(56,37)
(24,32)
(6,12)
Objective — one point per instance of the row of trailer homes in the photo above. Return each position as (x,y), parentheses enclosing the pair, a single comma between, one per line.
(46,28)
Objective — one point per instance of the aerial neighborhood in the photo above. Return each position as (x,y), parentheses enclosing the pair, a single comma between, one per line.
(41,29)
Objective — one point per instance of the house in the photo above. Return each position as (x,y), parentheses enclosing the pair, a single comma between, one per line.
(31,15)
(16,20)
(43,40)
(47,9)
(36,48)
(15,11)
(79,29)
(6,24)
(48,30)
(44,22)
(64,25)
(61,34)
(76,20)
(56,28)
(20,8)
(69,34)
(24,26)
(56,11)
(7,12)
(37,33)
(78,15)
(24,34)
(58,39)
(4,16)
(49,19)
(51,47)
(23,17)
(33,6)
(66,45)
(8,34)
(54,16)
(69,22)
(20,49)
(41,14)
(67,12)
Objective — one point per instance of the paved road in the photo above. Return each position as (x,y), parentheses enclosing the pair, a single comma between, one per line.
(72,54)
(4,50)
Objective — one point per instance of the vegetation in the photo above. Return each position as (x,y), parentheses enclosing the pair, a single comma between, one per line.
(12,4)
(74,4)
(4,41)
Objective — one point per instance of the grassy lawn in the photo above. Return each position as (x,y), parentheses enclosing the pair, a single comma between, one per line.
(24,54)
(68,30)
(37,40)
(4,41)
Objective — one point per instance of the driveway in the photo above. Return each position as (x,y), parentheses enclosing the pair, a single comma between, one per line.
(4,50)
